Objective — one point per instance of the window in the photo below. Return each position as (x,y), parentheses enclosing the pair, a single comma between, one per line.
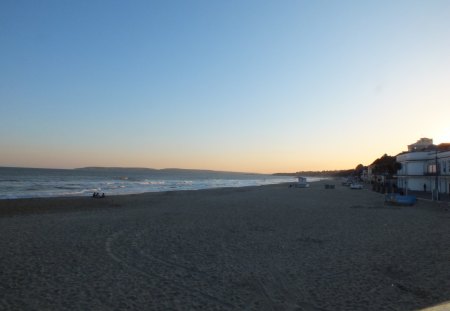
(431,168)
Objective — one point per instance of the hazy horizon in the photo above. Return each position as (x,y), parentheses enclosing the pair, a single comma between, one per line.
(255,86)
(122,168)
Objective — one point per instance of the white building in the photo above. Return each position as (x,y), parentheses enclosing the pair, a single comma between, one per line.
(424,167)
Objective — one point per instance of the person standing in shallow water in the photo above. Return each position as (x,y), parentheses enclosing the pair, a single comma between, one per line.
(424,187)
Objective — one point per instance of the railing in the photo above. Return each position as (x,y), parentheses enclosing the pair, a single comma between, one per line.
(426,174)
(429,174)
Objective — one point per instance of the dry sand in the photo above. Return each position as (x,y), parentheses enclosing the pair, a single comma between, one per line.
(255,248)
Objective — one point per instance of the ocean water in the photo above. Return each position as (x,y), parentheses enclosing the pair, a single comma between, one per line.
(35,183)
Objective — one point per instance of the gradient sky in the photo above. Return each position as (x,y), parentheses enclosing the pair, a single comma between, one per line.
(256,86)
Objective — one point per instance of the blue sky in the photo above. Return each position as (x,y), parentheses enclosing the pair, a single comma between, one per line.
(260,86)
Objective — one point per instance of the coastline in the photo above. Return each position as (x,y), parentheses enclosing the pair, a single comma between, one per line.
(256,248)
(18,183)
(16,206)
(20,206)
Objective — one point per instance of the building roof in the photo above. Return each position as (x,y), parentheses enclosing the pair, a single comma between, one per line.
(444,147)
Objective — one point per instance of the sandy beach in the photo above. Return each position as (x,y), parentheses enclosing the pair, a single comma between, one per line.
(253,248)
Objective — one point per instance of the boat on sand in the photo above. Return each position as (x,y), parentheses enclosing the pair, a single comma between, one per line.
(398,199)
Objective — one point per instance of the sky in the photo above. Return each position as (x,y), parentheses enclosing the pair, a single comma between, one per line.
(252,86)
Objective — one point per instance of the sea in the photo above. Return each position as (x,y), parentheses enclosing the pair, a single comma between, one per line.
(40,183)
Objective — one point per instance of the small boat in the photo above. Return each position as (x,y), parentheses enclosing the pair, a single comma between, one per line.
(398,199)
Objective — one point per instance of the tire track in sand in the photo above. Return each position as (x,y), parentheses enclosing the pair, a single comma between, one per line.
(110,251)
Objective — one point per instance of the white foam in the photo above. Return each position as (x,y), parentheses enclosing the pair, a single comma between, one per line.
(52,185)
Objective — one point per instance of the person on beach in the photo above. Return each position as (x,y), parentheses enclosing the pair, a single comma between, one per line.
(97,195)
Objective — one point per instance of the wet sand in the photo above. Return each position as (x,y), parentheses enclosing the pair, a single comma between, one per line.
(254,248)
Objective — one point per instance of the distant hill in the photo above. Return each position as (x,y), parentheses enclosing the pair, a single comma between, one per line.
(164,170)
(334,173)
(102,168)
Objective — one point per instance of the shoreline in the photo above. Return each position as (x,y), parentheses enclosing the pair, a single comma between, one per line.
(136,185)
(22,206)
(23,183)
(18,206)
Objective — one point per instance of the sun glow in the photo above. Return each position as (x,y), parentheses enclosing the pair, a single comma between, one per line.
(442,137)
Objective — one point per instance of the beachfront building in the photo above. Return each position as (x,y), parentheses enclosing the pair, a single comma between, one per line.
(421,144)
(425,167)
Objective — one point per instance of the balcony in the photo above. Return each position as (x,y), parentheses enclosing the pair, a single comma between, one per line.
(429,174)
